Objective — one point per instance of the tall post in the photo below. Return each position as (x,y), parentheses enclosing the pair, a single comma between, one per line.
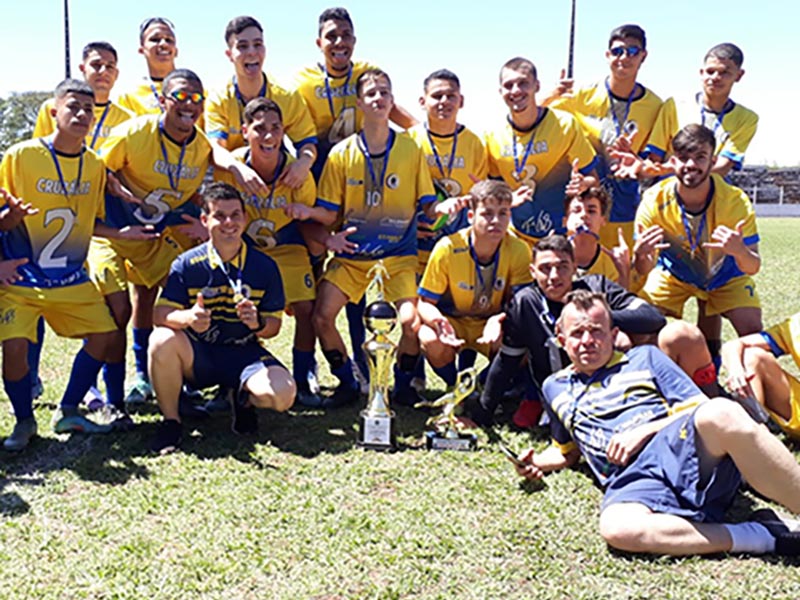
(571,58)
(66,39)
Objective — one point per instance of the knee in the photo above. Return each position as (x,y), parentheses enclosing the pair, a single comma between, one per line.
(278,394)
(303,311)
(409,319)
(680,337)
(622,533)
(120,306)
(758,361)
(723,418)
(164,342)
(321,319)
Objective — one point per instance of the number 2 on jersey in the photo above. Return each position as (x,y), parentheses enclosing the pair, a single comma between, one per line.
(67,218)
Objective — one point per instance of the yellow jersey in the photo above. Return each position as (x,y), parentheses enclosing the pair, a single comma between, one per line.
(161,172)
(784,338)
(604,117)
(144,99)
(379,195)
(224,114)
(686,258)
(541,159)
(68,190)
(462,287)
(733,128)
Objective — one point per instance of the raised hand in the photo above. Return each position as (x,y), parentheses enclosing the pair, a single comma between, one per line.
(493,330)
(339,243)
(578,182)
(730,241)
(194,228)
(645,250)
(620,255)
(199,315)
(295,174)
(521,195)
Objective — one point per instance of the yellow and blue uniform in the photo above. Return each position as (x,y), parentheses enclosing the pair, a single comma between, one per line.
(686,268)
(601,265)
(632,389)
(453,161)
(604,117)
(541,159)
(733,128)
(224,114)
(165,175)
(144,99)
(380,196)
(228,350)
(55,241)
(274,233)
(106,117)
(467,292)
(784,338)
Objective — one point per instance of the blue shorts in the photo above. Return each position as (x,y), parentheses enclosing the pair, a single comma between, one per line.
(665,477)
(228,365)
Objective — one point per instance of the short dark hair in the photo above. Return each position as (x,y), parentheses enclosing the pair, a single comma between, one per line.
(98,46)
(335,14)
(628,31)
(73,86)
(597,192)
(692,137)
(186,74)
(147,23)
(520,64)
(370,74)
(238,24)
(257,105)
(444,74)
(554,243)
(220,191)
(728,51)
(489,189)
(584,300)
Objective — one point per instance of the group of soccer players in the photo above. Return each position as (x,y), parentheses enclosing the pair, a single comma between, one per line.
(106,223)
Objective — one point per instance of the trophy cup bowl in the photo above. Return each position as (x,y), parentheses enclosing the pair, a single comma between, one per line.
(376,422)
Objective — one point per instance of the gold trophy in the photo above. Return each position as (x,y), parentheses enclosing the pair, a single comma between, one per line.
(445,435)
(376,429)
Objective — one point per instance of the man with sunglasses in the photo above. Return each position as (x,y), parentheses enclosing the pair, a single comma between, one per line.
(617,113)
(161,161)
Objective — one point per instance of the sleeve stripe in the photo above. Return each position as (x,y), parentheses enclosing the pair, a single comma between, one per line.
(591,166)
(428,294)
(750,240)
(427,199)
(776,350)
(326,205)
(218,134)
(564,448)
(309,140)
(650,149)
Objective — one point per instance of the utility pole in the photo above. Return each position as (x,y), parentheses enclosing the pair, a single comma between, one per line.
(571,58)
(66,39)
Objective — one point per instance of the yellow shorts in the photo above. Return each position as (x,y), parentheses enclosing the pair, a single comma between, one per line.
(146,263)
(106,268)
(350,276)
(184,241)
(422,261)
(470,329)
(792,426)
(670,294)
(295,268)
(73,311)
(609,237)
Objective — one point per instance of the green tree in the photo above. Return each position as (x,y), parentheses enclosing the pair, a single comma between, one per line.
(18,116)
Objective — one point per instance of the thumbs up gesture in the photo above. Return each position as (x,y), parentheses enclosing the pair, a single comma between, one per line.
(199,315)
(578,182)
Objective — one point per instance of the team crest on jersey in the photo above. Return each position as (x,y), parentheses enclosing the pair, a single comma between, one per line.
(499,284)
(352,181)
(393,181)
(8,316)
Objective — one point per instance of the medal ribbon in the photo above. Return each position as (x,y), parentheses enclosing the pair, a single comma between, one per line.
(479,274)
(173,183)
(99,126)
(368,156)
(329,91)
(49,145)
(236,286)
(452,158)
(518,166)
(618,125)
(158,98)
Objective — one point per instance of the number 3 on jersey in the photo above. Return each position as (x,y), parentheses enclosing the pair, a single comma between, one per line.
(154,207)
(67,218)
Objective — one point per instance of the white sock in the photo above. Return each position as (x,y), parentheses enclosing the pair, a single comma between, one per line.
(750,537)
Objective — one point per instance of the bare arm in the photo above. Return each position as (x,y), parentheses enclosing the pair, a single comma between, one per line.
(551,459)
(401,117)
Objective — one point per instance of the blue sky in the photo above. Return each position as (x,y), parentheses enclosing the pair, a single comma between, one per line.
(411,38)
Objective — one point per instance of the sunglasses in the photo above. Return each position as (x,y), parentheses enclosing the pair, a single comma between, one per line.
(182,96)
(631,51)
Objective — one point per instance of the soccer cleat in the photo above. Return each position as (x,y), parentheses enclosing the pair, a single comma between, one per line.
(360,374)
(168,437)
(309,399)
(74,422)
(245,419)
(24,432)
(527,414)
(38,389)
(313,381)
(342,396)
(118,418)
(418,384)
(140,391)
(188,409)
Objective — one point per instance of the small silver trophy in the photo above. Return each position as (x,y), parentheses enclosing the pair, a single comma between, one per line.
(376,429)
(445,435)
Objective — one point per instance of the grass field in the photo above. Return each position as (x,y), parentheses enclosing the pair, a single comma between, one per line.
(300,512)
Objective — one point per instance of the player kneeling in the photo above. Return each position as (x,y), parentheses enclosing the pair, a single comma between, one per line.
(220,298)
(469,277)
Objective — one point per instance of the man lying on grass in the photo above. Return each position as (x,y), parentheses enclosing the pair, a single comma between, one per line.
(670,460)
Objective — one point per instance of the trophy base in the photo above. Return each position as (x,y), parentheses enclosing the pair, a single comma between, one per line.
(463,442)
(376,432)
